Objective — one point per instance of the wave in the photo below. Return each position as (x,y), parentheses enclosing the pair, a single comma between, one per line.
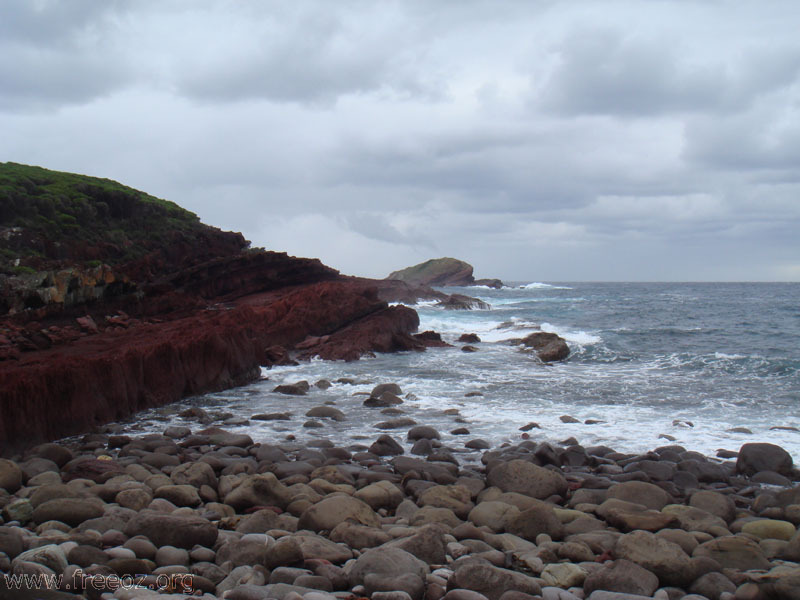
(537,285)
(578,337)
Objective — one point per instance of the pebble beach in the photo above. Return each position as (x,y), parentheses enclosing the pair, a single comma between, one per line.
(199,511)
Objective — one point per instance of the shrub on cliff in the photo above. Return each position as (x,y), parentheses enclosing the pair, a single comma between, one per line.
(49,218)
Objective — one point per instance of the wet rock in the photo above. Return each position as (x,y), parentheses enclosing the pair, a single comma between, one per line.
(469,349)
(763,457)
(396,423)
(328,412)
(293,389)
(526,478)
(385,400)
(476,444)
(381,388)
(568,419)
(469,338)
(549,347)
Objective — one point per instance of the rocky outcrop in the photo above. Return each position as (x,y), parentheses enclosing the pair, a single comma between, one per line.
(549,347)
(98,378)
(442,272)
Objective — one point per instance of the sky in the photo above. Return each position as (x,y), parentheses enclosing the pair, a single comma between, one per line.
(538,140)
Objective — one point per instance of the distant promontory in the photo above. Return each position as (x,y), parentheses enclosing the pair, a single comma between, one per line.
(442,272)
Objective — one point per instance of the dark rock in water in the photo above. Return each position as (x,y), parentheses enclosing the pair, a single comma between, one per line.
(431,339)
(379,389)
(328,412)
(530,426)
(386,445)
(395,423)
(549,347)
(278,356)
(491,283)
(473,394)
(763,457)
(477,444)
(461,302)
(323,384)
(460,431)
(469,349)
(469,338)
(438,272)
(568,419)
(783,428)
(739,430)
(385,399)
(422,447)
(293,389)
(423,432)
(272,417)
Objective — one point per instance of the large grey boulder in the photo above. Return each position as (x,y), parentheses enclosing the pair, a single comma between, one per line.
(169,530)
(527,478)
(757,457)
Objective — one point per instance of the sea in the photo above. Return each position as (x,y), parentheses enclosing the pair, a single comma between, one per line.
(708,366)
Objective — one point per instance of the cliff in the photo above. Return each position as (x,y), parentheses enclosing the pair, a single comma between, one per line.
(112,301)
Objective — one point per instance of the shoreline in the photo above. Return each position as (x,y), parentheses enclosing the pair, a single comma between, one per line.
(242,518)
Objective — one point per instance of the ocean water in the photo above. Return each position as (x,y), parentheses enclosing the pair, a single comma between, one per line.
(687,360)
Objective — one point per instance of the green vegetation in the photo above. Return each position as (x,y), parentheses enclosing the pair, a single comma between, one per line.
(48,215)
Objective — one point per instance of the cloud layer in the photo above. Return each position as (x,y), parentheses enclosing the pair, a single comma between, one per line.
(613,140)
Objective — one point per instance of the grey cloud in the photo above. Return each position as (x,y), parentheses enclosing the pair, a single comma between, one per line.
(613,72)
(57,53)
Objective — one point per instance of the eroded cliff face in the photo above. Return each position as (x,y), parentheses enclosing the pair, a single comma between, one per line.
(99,377)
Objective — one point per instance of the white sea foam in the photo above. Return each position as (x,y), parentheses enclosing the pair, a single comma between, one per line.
(538,285)
(577,337)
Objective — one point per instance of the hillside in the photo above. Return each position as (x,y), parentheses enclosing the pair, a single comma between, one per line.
(49,219)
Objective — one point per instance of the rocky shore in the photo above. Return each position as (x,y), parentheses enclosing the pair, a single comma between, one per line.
(215,514)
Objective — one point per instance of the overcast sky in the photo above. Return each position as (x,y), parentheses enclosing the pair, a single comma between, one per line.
(538,140)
